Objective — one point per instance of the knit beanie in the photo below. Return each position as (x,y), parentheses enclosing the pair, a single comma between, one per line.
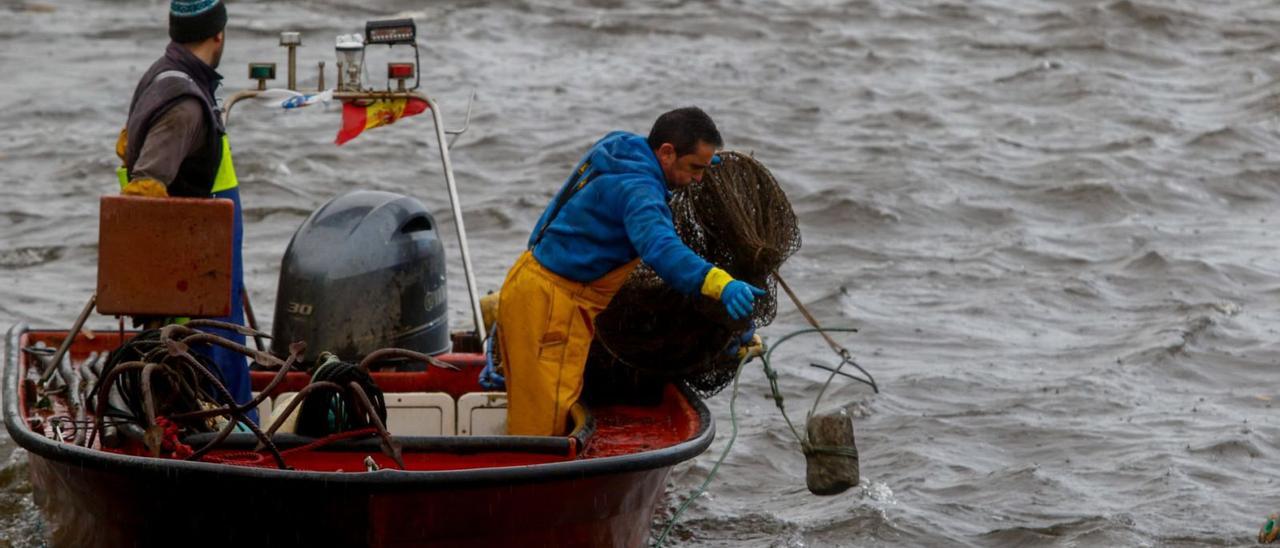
(196,20)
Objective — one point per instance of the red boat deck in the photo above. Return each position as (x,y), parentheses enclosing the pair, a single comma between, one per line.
(618,430)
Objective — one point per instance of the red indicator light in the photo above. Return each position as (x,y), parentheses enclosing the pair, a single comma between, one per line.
(399,71)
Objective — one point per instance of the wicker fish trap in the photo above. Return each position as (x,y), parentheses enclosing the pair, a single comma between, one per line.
(737,218)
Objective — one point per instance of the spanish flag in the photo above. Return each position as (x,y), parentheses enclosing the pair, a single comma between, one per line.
(357,118)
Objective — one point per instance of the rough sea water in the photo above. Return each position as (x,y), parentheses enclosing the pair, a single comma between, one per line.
(1052,221)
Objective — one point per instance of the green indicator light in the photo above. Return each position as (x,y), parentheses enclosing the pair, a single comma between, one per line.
(262,71)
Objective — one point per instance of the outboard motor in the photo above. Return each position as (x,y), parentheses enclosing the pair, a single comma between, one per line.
(366,271)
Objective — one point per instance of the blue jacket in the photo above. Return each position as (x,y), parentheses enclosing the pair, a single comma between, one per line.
(621,213)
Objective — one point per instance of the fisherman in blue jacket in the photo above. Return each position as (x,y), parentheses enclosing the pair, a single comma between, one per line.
(610,214)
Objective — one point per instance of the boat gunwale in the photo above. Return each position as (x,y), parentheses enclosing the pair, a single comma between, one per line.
(382,480)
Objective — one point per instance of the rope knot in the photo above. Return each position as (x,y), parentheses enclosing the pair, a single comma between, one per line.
(169,442)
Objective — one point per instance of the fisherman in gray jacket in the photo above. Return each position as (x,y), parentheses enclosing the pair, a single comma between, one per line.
(174,144)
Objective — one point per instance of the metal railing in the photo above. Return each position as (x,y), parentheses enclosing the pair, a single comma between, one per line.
(438,120)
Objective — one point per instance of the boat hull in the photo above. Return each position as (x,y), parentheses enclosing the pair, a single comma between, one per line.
(97,506)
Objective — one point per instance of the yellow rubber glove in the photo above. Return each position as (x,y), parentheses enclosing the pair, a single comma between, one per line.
(122,142)
(739,297)
(489,308)
(149,188)
(714,283)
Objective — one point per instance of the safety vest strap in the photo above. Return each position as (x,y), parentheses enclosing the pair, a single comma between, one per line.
(226,179)
(122,173)
(584,175)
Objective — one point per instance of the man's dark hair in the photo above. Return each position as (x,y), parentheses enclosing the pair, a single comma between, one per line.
(684,128)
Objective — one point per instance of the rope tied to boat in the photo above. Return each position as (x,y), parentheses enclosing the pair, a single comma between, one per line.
(836,450)
(733,436)
(169,444)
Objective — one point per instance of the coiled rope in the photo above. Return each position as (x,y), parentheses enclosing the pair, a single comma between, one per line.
(326,414)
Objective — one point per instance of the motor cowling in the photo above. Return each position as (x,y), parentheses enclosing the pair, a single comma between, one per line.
(365,271)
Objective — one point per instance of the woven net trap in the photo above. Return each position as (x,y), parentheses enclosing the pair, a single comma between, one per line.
(736,218)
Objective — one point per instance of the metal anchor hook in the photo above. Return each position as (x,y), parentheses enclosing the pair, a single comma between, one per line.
(466,123)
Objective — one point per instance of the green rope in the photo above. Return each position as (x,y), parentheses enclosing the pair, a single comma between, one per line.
(831,450)
(777,393)
(772,375)
(693,495)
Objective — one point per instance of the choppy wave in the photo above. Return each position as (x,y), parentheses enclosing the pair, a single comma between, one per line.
(1053,223)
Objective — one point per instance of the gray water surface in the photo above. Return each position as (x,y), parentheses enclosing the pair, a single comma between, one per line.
(1051,220)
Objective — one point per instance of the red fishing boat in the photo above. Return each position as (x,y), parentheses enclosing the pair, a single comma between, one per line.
(439,472)
(597,486)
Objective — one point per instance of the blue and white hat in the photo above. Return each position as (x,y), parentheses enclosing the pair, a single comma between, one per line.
(196,20)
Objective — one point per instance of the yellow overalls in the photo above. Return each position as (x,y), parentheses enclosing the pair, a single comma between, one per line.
(546,323)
